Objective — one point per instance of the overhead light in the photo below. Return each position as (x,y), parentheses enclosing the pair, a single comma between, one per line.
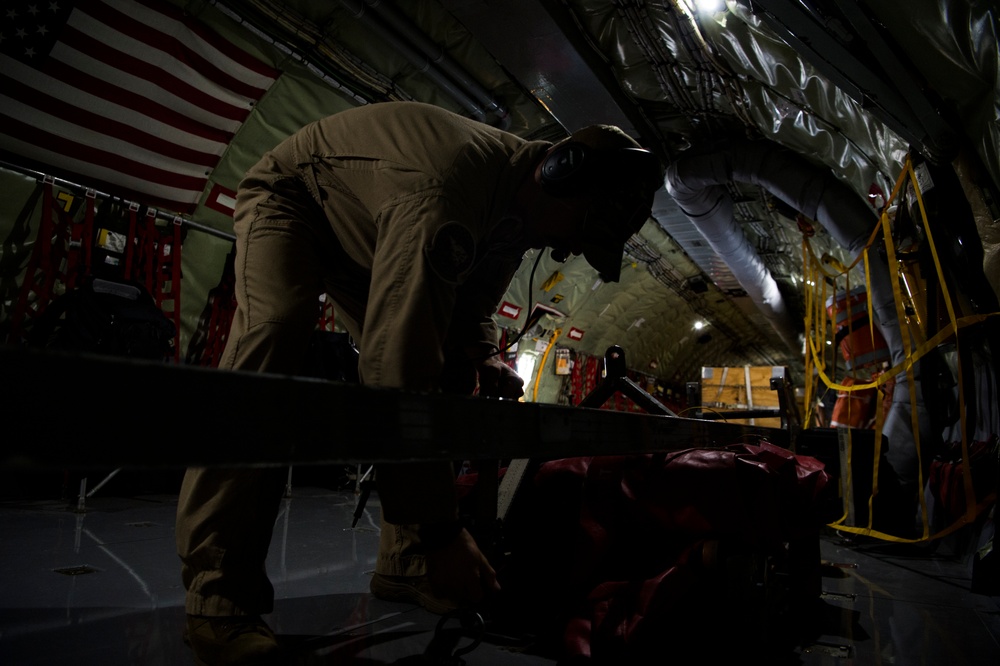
(708,6)
(526,365)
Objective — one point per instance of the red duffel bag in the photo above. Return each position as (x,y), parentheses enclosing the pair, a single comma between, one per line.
(625,555)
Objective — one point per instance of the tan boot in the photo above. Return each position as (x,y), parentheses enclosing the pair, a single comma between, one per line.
(231,641)
(410,590)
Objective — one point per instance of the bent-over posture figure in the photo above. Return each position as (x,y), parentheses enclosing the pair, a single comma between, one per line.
(413,220)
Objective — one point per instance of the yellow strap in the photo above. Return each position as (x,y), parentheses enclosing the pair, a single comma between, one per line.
(809,401)
(960,523)
(545,356)
(879,422)
(815,357)
(868,291)
(967,477)
(907,364)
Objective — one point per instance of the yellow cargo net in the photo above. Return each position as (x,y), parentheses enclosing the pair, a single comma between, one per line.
(819,273)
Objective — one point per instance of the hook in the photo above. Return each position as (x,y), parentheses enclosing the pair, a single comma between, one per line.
(440,648)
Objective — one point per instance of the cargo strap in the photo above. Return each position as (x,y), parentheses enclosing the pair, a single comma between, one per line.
(63,253)
(60,256)
(16,251)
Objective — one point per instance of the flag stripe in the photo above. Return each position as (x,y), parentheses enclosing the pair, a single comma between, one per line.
(128,18)
(88,92)
(135,93)
(105,146)
(152,76)
(89,154)
(233,59)
(79,119)
(108,180)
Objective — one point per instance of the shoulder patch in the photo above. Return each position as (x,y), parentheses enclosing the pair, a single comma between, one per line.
(451,252)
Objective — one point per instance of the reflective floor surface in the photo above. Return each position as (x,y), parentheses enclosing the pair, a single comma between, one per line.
(100,584)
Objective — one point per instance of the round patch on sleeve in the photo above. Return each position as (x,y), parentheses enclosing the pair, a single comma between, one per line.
(452,251)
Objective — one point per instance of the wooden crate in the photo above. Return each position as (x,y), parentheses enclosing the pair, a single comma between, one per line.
(728,389)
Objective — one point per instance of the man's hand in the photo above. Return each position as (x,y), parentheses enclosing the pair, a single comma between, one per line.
(498,380)
(459,571)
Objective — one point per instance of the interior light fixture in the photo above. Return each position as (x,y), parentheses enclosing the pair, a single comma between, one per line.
(708,6)
(526,365)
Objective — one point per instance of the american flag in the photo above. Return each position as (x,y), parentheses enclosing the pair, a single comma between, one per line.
(130,96)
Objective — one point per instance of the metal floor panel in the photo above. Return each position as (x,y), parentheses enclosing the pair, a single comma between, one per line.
(103,587)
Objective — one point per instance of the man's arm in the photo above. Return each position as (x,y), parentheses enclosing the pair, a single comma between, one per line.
(418,265)
(478,299)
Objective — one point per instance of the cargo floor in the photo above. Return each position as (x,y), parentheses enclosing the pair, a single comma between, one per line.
(102,586)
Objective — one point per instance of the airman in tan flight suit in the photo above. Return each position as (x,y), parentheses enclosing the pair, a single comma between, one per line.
(413,220)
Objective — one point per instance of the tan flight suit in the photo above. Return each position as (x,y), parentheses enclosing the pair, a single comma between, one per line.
(402,213)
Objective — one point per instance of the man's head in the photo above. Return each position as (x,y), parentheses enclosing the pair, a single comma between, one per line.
(608,180)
